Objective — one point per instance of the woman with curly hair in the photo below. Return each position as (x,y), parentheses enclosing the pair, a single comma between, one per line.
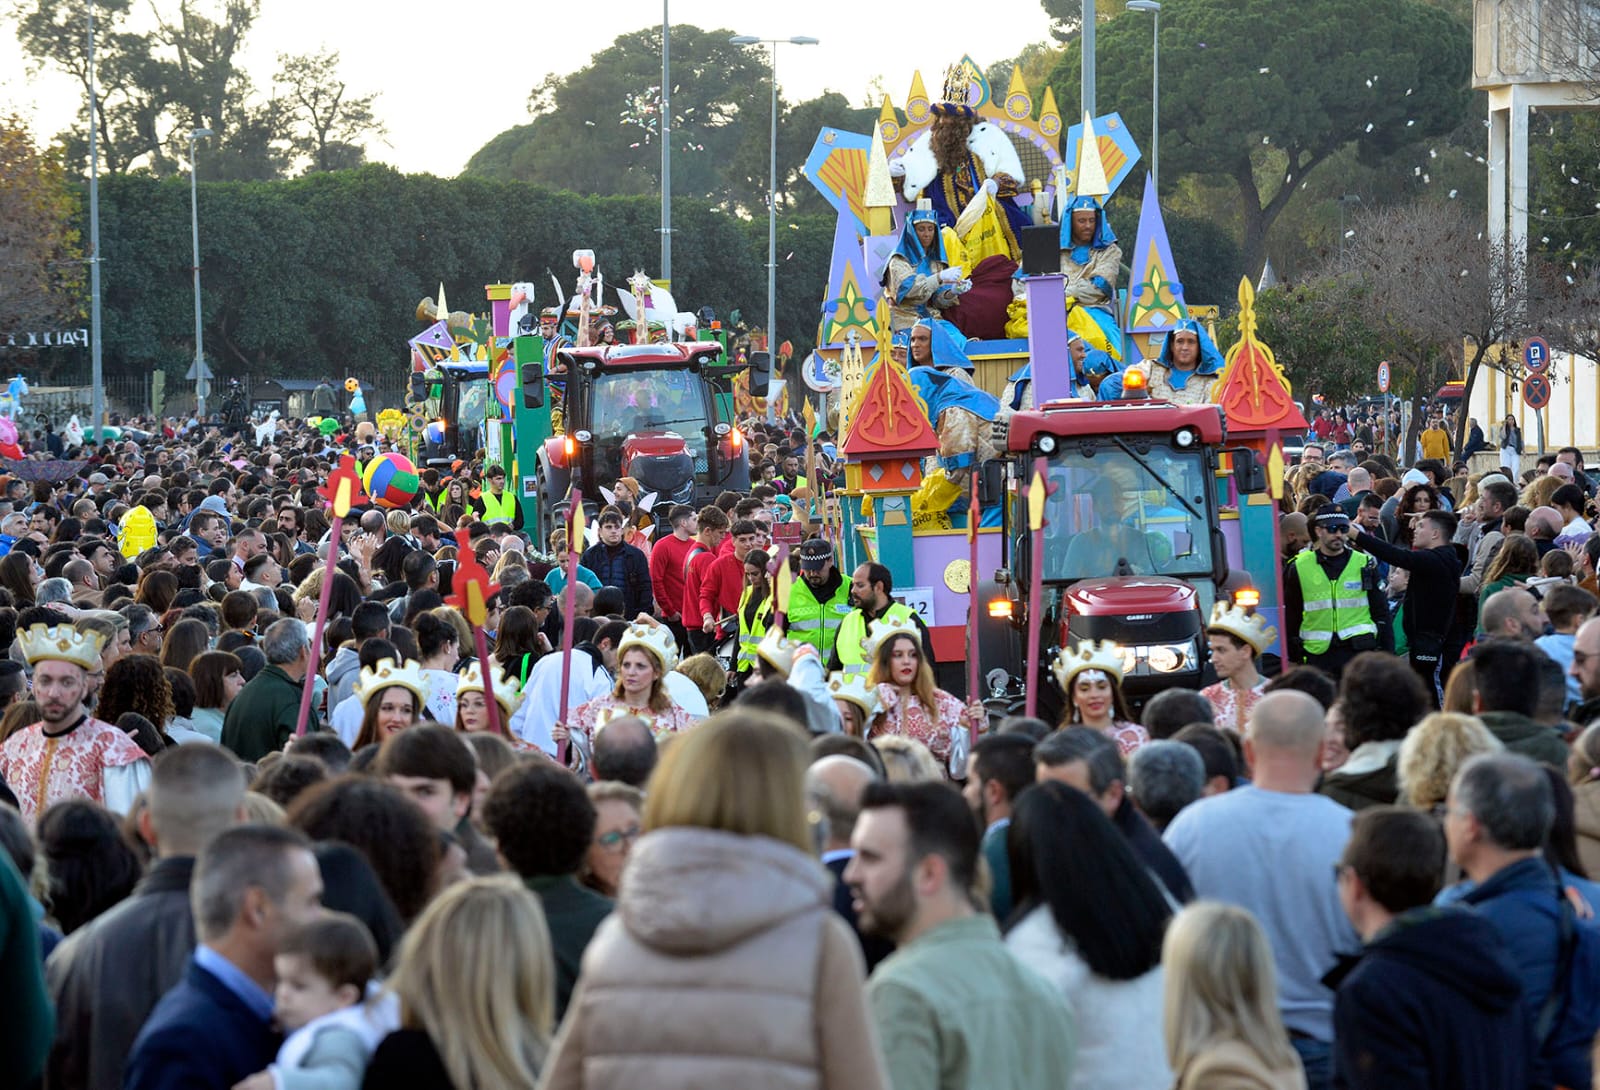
(136,683)
(1415,500)
(1433,751)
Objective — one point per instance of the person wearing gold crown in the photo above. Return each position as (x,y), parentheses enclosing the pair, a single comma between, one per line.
(962,175)
(912,705)
(644,656)
(857,702)
(69,754)
(1236,638)
(918,281)
(1091,680)
(472,709)
(392,695)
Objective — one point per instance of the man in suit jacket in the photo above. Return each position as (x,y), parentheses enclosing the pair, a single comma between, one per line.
(251,885)
(139,950)
(838,781)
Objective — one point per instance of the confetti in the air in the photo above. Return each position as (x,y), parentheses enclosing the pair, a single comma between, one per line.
(1452,194)
(1369,83)
(1463,272)
(1427,179)
(1264,71)
(1574,182)
(1350,233)
(1266,139)
(1416,172)
(1410,123)
(1408,90)
(1433,153)
(1369,126)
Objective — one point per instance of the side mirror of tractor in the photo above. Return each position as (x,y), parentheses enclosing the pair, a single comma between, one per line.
(992,482)
(1249,475)
(760,373)
(528,355)
(419,386)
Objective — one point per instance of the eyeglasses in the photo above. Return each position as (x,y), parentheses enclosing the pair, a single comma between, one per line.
(618,837)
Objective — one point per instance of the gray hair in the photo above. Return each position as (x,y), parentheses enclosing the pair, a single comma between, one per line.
(1099,753)
(284,641)
(236,860)
(52,591)
(1510,797)
(141,618)
(1164,777)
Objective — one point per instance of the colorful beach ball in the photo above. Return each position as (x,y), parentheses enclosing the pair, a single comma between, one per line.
(391,480)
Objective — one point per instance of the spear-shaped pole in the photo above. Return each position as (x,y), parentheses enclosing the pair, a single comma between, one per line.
(1275,484)
(470,593)
(974,604)
(568,604)
(342,492)
(782,583)
(1036,494)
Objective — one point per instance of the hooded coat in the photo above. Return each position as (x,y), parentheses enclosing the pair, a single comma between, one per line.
(1413,1011)
(723,966)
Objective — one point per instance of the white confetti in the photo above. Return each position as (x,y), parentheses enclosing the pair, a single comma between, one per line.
(1576,182)
(1369,126)
(791,254)
(1416,172)
(1264,71)
(1568,246)
(1369,83)
(1408,90)
(1479,158)
(1452,194)
(1569,280)
(1266,139)
(1350,233)
(1433,153)
(1463,272)
(1410,123)
(1288,179)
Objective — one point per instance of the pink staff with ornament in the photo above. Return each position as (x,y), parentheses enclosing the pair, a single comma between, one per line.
(470,593)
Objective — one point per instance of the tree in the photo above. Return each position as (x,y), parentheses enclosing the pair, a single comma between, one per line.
(328,123)
(1564,207)
(41,265)
(1259,93)
(1437,295)
(1315,337)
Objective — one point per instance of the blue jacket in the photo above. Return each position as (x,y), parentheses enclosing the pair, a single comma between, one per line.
(1413,1011)
(200,1037)
(625,567)
(1523,903)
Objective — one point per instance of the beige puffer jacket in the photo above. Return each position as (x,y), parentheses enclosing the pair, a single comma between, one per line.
(724,965)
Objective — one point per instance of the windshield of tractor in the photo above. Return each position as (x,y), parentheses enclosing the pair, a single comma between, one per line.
(624,403)
(474,406)
(1104,507)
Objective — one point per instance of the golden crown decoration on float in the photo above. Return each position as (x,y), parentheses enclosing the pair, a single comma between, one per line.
(1104,656)
(61,643)
(656,640)
(507,689)
(854,688)
(778,651)
(1252,628)
(387,672)
(881,630)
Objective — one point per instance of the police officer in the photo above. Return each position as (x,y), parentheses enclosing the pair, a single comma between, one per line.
(871,587)
(1333,602)
(819,602)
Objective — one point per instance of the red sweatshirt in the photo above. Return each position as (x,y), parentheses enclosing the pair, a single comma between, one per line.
(721,585)
(701,562)
(667,558)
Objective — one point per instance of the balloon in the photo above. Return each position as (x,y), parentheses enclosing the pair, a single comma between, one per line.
(391,480)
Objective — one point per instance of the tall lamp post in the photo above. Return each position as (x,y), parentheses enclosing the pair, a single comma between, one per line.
(772,191)
(97,393)
(666,145)
(1154,8)
(200,375)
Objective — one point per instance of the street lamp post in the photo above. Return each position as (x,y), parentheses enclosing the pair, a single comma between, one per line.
(97,394)
(772,192)
(1154,8)
(194,232)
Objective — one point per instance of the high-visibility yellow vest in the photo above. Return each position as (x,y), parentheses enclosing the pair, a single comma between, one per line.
(751,633)
(853,630)
(1332,608)
(501,508)
(814,622)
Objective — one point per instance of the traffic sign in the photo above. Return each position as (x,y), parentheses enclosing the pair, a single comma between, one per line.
(1383,377)
(1536,391)
(1536,354)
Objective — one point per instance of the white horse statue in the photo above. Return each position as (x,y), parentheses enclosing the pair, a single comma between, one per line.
(521,303)
(268,429)
(992,147)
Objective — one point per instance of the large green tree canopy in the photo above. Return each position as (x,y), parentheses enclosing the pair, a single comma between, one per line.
(1259,93)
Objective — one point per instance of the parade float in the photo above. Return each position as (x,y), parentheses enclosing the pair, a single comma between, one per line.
(1082,507)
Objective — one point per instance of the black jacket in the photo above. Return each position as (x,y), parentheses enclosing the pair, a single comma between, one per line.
(107,977)
(873,949)
(625,567)
(1431,594)
(408,1058)
(1432,1002)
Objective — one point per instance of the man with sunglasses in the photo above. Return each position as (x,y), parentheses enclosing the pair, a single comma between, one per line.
(1333,601)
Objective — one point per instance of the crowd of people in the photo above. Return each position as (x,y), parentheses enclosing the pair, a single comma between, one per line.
(762,847)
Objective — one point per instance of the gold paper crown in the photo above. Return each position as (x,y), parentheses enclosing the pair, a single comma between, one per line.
(1252,628)
(854,688)
(1104,656)
(375,679)
(878,631)
(507,689)
(654,639)
(778,650)
(61,643)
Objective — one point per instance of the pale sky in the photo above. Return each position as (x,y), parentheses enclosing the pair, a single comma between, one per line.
(441,103)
